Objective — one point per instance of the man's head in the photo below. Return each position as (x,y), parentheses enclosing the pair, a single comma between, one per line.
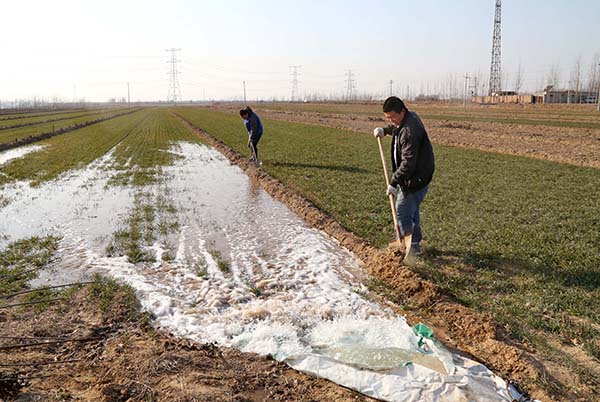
(394,109)
(244,114)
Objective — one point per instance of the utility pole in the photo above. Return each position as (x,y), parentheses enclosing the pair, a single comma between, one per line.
(495,71)
(350,85)
(391,87)
(174,90)
(466,88)
(128,99)
(244,82)
(599,94)
(294,73)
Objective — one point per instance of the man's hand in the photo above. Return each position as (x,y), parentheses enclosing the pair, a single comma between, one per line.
(378,132)
(391,190)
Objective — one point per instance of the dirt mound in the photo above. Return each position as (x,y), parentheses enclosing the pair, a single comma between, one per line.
(454,324)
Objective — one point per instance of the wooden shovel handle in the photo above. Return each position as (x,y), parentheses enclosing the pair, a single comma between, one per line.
(392,198)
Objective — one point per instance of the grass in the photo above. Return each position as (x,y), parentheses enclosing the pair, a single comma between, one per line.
(5,118)
(73,150)
(222,264)
(141,156)
(20,262)
(12,134)
(139,160)
(513,236)
(200,267)
(104,290)
(138,233)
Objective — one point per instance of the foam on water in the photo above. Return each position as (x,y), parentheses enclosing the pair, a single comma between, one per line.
(289,290)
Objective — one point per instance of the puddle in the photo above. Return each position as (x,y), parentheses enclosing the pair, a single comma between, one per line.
(249,274)
(6,156)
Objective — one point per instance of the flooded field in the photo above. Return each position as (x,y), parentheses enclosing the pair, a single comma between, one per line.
(226,263)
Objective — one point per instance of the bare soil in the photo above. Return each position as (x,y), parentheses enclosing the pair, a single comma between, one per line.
(577,146)
(454,324)
(130,361)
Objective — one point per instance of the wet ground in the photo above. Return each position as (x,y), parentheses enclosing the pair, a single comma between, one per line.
(246,273)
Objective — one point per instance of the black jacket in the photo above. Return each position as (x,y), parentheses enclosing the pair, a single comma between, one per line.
(412,154)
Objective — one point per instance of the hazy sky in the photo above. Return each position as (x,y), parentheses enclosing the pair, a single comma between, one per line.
(91,49)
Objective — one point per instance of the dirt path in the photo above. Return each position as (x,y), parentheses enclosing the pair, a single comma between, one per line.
(577,146)
(131,361)
(454,324)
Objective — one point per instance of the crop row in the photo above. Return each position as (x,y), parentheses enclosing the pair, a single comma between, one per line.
(16,134)
(47,119)
(144,151)
(14,115)
(72,150)
(501,232)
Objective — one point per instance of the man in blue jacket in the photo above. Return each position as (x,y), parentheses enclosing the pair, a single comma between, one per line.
(255,131)
(413,166)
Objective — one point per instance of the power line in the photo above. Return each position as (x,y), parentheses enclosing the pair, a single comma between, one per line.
(350,85)
(294,73)
(466,89)
(174,90)
(495,69)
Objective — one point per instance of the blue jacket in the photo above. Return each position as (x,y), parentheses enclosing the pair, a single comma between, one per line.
(254,125)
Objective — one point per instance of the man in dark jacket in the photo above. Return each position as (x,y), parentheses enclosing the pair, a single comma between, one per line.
(255,131)
(413,166)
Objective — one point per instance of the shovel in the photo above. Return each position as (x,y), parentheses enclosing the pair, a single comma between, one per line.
(407,238)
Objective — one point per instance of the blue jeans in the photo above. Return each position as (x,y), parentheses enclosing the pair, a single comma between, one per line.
(409,219)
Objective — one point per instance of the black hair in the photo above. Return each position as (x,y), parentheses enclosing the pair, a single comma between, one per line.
(393,104)
(245,111)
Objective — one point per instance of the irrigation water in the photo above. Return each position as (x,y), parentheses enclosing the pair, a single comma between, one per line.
(245,273)
(6,156)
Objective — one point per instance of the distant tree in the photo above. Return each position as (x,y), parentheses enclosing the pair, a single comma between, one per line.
(519,78)
(594,75)
(554,76)
(576,78)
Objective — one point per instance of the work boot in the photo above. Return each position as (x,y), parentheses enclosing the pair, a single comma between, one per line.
(417,248)
(410,259)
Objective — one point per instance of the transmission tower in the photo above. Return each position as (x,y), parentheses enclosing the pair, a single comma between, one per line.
(294,73)
(391,87)
(495,74)
(174,90)
(350,85)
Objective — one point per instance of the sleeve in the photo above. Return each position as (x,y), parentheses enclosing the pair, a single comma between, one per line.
(389,129)
(248,126)
(254,124)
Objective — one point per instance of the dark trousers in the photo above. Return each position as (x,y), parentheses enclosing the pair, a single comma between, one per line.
(254,144)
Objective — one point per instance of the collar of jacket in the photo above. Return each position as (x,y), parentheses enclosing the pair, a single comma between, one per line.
(399,126)
(406,112)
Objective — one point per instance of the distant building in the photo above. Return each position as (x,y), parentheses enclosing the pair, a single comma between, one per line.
(551,95)
(506,97)
(548,95)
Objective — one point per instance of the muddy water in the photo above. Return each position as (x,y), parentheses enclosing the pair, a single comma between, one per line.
(246,273)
